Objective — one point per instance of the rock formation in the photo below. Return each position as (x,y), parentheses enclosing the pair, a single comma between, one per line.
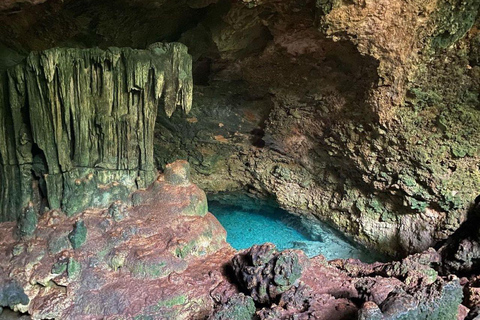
(77,125)
(286,284)
(92,265)
(363,114)
(350,116)
(367,110)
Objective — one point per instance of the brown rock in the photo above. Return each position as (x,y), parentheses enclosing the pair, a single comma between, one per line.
(178,173)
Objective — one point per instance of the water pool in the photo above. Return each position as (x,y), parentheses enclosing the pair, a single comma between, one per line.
(247,227)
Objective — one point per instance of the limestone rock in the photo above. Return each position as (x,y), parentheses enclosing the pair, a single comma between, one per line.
(407,289)
(118,210)
(27,223)
(82,121)
(158,261)
(78,235)
(239,307)
(370,311)
(178,173)
(12,294)
(265,273)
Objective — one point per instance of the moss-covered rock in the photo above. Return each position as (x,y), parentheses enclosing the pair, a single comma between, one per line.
(12,294)
(453,20)
(27,223)
(73,268)
(239,307)
(118,210)
(78,236)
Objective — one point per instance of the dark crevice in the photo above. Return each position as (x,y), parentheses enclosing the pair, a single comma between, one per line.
(202,71)
(257,137)
(39,169)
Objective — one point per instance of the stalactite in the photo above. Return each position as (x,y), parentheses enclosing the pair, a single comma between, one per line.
(90,115)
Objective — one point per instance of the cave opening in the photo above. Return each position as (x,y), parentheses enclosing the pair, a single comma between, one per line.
(269,87)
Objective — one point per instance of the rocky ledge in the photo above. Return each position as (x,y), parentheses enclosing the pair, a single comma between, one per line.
(161,255)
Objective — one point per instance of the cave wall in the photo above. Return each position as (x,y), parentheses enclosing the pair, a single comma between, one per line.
(364,114)
(78,124)
(373,120)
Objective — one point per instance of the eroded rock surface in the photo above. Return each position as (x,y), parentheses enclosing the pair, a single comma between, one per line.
(161,260)
(360,113)
(163,256)
(77,125)
(286,285)
(359,124)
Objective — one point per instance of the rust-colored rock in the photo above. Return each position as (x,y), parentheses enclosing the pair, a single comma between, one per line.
(162,257)
(319,290)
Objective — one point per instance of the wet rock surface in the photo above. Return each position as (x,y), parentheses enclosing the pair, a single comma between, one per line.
(363,114)
(78,124)
(343,124)
(376,134)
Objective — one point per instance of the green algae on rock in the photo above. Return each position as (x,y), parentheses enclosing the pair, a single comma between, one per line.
(117,257)
(238,307)
(78,235)
(27,222)
(79,123)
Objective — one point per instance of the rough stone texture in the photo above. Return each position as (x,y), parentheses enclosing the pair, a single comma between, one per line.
(407,289)
(13,5)
(32,25)
(362,126)
(366,111)
(159,261)
(238,307)
(27,222)
(399,45)
(166,258)
(461,252)
(461,255)
(78,124)
(78,235)
(266,274)
(178,173)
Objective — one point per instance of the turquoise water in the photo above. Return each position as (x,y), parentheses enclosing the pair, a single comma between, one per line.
(247,227)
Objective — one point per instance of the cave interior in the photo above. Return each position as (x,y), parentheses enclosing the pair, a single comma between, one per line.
(123,122)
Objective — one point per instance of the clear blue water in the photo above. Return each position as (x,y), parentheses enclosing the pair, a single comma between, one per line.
(247,227)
